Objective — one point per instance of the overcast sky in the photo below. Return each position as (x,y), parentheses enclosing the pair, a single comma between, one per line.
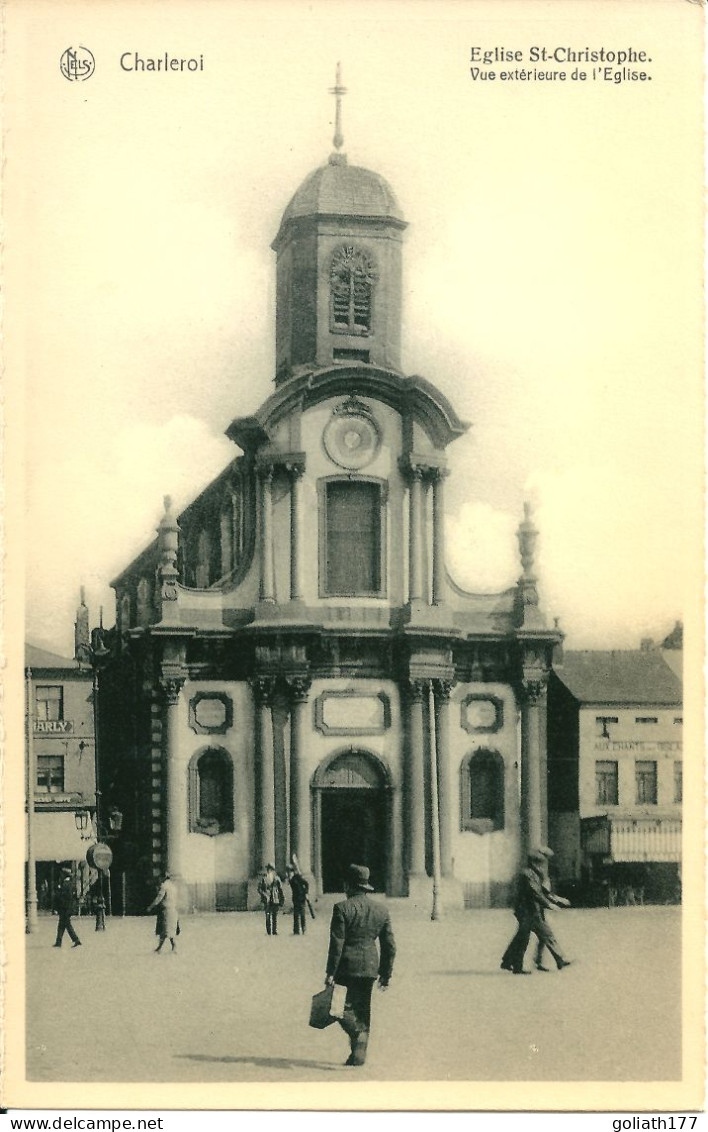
(551,278)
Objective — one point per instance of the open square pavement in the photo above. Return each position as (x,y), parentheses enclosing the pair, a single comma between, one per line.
(233,1004)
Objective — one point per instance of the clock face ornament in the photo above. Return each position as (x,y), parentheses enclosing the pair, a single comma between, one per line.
(351,436)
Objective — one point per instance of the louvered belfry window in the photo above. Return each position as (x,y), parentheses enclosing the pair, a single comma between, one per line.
(353,534)
(352,277)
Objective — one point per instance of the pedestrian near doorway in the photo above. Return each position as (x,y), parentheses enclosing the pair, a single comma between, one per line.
(66,901)
(299,888)
(166,903)
(353,960)
(272,897)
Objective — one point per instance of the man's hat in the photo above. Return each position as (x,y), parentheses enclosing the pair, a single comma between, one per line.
(266,867)
(358,877)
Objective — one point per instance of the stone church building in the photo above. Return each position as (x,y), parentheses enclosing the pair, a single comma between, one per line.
(294,671)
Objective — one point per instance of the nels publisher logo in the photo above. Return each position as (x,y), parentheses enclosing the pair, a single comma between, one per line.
(77,64)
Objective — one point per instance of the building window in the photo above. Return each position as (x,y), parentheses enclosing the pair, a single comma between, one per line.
(678,781)
(646,783)
(203,570)
(50,701)
(351,279)
(606,783)
(211,792)
(144,602)
(646,719)
(352,536)
(482,791)
(678,719)
(602,725)
(50,774)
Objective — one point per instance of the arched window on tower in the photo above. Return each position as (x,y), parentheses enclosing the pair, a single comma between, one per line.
(211,792)
(482,791)
(352,277)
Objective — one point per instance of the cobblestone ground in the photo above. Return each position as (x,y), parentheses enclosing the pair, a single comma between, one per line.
(233,1004)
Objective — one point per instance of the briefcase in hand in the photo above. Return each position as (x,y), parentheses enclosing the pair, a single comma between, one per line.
(320,1016)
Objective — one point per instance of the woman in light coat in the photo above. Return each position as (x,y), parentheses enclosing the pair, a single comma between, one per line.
(167,926)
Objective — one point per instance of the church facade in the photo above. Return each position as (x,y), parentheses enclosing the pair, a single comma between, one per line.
(295,673)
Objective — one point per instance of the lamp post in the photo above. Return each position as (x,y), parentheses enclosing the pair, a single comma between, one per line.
(97,654)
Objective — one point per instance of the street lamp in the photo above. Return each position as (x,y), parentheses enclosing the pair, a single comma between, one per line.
(97,654)
(82,819)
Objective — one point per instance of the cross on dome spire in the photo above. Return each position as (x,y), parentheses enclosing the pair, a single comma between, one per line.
(338,90)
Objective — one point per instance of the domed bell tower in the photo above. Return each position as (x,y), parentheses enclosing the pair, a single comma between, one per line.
(338,273)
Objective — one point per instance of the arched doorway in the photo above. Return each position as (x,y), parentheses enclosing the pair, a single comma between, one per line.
(351,818)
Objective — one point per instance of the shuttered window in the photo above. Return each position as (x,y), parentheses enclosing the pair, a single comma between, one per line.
(645,772)
(606,783)
(353,538)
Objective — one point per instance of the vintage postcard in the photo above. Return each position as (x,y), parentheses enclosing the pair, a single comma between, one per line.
(353,510)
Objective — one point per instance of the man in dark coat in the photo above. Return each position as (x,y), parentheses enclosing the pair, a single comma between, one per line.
(353,960)
(531,901)
(272,897)
(299,887)
(66,897)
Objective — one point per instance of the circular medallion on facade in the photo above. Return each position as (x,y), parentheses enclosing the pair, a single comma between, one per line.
(351,438)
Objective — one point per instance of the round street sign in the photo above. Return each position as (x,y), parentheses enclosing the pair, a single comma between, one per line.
(99,856)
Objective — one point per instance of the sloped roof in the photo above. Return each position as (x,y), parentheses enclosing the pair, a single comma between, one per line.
(674,659)
(634,676)
(36,657)
(338,189)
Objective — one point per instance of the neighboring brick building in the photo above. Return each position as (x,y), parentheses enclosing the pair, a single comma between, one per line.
(615,769)
(60,737)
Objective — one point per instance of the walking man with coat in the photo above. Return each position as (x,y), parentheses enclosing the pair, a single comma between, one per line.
(166,903)
(354,961)
(272,897)
(531,901)
(66,898)
(299,888)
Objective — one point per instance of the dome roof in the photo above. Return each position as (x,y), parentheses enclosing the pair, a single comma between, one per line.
(338,189)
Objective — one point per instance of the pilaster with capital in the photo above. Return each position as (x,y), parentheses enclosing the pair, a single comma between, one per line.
(267,570)
(171,686)
(295,471)
(442,690)
(533,697)
(415,535)
(264,690)
(414,691)
(300,818)
(438,480)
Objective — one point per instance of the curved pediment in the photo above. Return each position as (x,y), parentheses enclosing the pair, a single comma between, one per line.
(413,397)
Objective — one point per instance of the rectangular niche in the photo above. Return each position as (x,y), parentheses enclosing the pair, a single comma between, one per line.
(211,713)
(482,713)
(352,713)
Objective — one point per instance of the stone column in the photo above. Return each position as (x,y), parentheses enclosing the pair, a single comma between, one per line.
(295,472)
(438,536)
(267,586)
(415,781)
(532,696)
(300,821)
(415,535)
(175,779)
(443,689)
(264,692)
